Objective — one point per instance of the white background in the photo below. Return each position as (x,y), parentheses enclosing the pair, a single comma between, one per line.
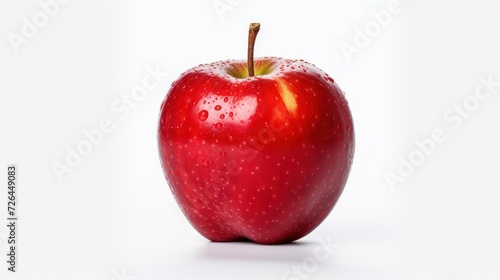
(114,216)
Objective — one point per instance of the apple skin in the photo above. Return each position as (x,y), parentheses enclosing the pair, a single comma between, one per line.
(261,158)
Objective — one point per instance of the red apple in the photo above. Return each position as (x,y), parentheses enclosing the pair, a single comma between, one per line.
(260,157)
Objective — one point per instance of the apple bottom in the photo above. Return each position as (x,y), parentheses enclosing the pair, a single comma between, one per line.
(266,197)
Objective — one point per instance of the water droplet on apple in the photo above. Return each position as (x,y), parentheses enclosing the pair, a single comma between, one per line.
(230,138)
(231,114)
(329,79)
(218,125)
(217,108)
(225,99)
(240,147)
(205,162)
(223,154)
(222,116)
(203,115)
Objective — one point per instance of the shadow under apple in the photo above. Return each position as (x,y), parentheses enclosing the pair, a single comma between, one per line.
(246,250)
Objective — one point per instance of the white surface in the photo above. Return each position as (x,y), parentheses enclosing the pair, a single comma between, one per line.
(114,213)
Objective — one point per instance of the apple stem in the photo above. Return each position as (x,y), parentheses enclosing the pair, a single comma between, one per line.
(252,34)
